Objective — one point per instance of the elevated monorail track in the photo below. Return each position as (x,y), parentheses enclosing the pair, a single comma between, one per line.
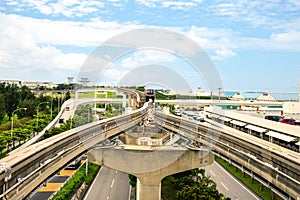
(277,165)
(21,173)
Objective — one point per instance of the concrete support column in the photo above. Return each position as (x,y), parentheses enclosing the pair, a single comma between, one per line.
(150,164)
(148,189)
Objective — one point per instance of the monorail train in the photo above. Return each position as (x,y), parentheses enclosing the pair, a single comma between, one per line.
(149,94)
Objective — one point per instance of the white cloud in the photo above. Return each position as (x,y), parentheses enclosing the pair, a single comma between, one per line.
(66,32)
(224,43)
(288,37)
(223,53)
(147,57)
(220,41)
(274,14)
(112,76)
(67,8)
(176,5)
(20,51)
(113,1)
(34,43)
(286,41)
(12,2)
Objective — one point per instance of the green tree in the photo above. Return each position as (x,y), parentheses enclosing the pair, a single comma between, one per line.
(190,185)
(108,108)
(132,180)
(68,95)
(30,104)
(3,142)
(83,115)
(12,99)
(26,93)
(2,107)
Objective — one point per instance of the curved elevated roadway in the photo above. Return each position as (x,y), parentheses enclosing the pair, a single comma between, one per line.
(21,173)
(277,165)
(72,105)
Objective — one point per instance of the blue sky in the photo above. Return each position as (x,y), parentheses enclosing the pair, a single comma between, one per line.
(255,45)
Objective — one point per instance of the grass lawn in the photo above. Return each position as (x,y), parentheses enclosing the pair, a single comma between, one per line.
(86,95)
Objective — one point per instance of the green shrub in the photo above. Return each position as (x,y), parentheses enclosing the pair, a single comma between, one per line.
(76,181)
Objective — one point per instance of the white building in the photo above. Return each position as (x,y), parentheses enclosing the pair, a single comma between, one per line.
(34,84)
(200,93)
(291,107)
(238,96)
(30,84)
(11,82)
(265,97)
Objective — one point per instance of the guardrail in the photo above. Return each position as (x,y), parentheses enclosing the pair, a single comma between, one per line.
(57,151)
(282,169)
(250,173)
(47,128)
(228,144)
(74,103)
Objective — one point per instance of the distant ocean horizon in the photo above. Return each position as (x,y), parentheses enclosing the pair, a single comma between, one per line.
(280,96)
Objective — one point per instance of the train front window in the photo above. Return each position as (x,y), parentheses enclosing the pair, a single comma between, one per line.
(150,91)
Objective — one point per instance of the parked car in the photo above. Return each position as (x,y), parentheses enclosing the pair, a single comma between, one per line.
(275,118)
(288,121)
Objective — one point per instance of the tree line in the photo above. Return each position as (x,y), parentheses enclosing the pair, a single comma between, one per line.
(13,97)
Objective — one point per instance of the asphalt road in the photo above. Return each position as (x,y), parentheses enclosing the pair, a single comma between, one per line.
(229,185)
(109,185)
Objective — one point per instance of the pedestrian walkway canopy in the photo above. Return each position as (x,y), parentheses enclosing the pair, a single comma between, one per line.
(238,123)
(256,128)
(225,119)
(280,136)
(214,116)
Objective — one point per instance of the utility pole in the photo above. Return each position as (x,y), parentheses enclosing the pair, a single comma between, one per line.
(219,93)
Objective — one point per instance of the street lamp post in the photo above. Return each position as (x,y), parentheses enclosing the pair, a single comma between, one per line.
(219,93)
(12,121)
(37,113)
(51,108)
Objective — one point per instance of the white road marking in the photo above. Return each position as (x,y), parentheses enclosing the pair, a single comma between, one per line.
(129,195)
(112,183)
(224,186)
(87,194)
(212,173)
(237,181)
